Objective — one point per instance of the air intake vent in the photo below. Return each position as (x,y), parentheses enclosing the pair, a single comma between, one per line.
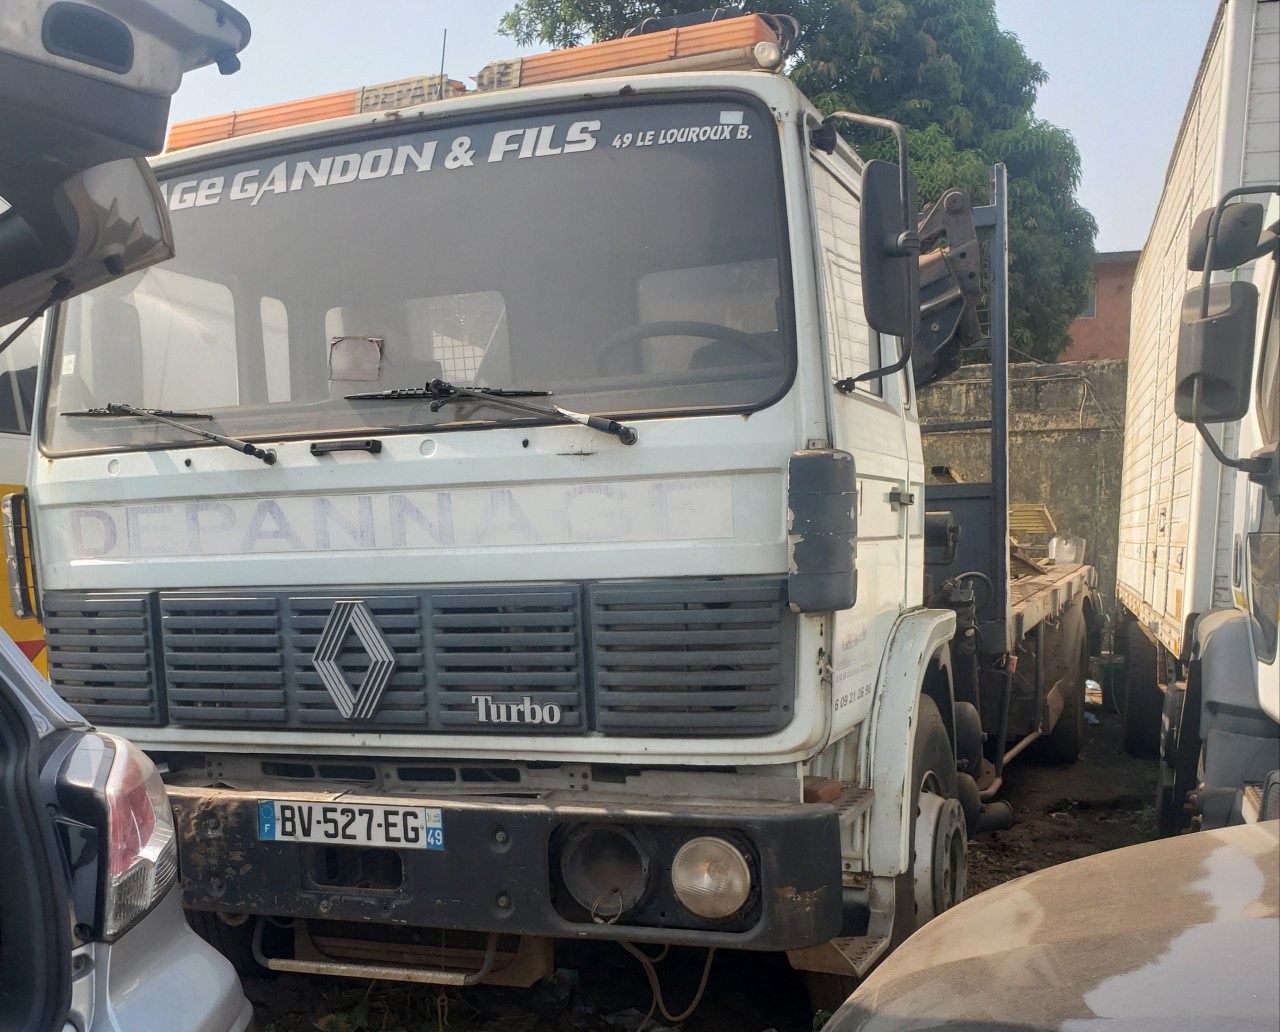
(222,659)
(691,657)
(508,658)
(101,656)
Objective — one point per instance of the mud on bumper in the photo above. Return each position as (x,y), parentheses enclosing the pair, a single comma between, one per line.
(499,870)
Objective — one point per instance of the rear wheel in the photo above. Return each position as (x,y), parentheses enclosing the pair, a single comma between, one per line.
(1143,699)
(1062,744)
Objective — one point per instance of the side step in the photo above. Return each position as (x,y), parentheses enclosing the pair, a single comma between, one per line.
(1261,802)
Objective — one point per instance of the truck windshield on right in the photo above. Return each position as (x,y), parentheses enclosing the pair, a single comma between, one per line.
(1199,565)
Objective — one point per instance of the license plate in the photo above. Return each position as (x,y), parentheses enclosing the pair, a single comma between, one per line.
(357,824)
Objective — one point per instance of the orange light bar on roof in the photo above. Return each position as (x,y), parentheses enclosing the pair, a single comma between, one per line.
(734,40)
(745,43)
(382,97)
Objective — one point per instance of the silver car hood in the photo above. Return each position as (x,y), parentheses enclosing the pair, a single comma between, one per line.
(1178,934)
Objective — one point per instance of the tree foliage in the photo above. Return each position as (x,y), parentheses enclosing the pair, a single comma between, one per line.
(964,89)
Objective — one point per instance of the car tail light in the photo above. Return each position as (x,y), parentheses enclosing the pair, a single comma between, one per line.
(142,850)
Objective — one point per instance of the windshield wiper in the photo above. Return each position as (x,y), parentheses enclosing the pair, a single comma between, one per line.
(441,393)
(267,455)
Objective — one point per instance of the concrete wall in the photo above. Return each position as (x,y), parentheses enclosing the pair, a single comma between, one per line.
(1065,448)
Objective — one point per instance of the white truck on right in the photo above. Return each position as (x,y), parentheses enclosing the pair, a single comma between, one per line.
(1198,572)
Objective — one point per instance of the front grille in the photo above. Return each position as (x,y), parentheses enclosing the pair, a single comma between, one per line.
(678,657)
(222,659)
(101,658)
(494,651)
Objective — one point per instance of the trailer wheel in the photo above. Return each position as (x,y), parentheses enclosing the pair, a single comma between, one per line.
(1143,699)
(938,839)
(1062,744)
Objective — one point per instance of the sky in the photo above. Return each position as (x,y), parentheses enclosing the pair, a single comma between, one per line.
(1120,73)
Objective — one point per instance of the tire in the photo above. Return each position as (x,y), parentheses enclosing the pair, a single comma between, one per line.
(968,738)
(1062,744)
(827,991)
(1178,772)
(1066,661)
(1143,699)
(937,865)
(235,942)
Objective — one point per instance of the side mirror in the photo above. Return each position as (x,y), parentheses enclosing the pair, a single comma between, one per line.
(1237,241)
(886,271)
(1216,350)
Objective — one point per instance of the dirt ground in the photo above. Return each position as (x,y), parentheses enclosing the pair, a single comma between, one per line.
(1104,801)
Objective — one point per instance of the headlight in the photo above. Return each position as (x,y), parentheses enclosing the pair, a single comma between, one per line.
(605,869)
(711,877)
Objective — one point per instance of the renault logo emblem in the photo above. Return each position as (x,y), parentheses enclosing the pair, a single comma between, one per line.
(354,616)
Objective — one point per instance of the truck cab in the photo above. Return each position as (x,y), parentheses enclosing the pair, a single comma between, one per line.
(503,522)
(1221,745)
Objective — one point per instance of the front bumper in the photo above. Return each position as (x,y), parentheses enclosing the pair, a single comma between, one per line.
(499,870)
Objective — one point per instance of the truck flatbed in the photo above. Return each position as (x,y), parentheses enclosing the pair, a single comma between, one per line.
(1040,596)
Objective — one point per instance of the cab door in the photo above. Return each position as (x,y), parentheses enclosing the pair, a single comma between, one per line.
(868,422)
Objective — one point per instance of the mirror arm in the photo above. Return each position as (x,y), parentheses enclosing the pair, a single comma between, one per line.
(849,382)
(1255,467)
(905,244)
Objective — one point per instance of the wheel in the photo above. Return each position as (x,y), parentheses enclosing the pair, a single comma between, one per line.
(1062,744)
(1143,699)
(633,335)
(968,738)
(1178,772)
(827,991)
(938,840)
(235,942)
(1066,661)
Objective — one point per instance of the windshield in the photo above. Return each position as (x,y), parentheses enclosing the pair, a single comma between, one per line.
(628,259)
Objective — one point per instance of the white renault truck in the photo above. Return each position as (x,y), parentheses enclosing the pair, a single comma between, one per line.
(504,522)
(1197,570)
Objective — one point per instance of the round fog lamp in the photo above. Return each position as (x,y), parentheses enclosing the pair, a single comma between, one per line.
(711,877)
(605,869)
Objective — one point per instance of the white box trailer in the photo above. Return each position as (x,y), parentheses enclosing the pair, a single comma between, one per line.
(1175,501)
(1181,541)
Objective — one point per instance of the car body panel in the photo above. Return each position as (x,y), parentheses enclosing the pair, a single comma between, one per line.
(78,204)
(35,933)
(1178,934)
(160,976)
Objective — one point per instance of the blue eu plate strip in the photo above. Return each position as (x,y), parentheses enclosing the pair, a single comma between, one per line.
(266,820)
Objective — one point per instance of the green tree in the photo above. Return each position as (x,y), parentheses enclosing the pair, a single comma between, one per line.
(964,89)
